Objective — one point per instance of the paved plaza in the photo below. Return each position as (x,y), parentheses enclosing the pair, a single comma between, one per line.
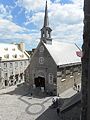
(16,103)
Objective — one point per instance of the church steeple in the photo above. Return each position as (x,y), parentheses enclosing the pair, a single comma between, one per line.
(46,30)
(46,22)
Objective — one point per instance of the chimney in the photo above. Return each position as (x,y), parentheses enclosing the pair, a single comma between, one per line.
(21,46)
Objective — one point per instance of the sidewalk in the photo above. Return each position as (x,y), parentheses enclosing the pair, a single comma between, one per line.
(69,93)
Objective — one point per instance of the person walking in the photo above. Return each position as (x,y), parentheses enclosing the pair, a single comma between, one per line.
(78,88)
(58,111)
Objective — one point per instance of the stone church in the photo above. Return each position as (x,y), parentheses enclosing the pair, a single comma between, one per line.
(54,65)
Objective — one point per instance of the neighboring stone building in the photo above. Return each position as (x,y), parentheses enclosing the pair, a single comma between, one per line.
(54,65)
(13,62)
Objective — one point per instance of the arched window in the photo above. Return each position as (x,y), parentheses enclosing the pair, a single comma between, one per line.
(50,78)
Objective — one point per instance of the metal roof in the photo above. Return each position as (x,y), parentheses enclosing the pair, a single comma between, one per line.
(63,53)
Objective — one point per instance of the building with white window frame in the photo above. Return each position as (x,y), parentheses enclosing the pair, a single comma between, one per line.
(13,62)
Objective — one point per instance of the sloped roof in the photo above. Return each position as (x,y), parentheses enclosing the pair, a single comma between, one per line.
(11,50)
(63,53)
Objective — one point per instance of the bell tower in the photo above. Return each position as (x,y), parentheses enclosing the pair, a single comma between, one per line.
(46,30)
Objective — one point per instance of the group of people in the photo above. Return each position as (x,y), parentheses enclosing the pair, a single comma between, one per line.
(76,87)
(56,105)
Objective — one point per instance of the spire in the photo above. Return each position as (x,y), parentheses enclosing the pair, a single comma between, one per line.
(46,22)
(46,30)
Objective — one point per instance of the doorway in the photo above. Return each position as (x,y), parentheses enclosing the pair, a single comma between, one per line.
(39,82)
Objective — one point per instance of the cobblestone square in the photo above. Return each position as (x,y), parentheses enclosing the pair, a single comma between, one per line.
(17,104)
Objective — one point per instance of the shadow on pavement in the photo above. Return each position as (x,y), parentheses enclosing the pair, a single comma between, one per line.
(49,114)
(25,90)
(21,89)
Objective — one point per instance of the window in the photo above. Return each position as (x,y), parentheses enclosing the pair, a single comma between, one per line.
(5,75)
(50,78)
(21,56)
(13,49)
(41,60)
(16,64)
(59,73)
(71,72)
(11,72)
(5,64)
(15,56)
(63,74)
(41,49)
(54,80)
(6,56)
(6,49)
(25,63)
(21,63)
(11,65)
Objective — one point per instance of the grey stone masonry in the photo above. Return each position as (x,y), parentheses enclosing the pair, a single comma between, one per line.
(85,114)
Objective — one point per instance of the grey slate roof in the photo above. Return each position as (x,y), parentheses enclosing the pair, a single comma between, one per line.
(63,53)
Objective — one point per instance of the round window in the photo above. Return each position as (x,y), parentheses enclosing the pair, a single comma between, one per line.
(41,60)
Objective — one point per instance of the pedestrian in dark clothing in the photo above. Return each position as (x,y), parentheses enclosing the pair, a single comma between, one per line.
(75,86)
(78,88)
(31,94)
(58,111)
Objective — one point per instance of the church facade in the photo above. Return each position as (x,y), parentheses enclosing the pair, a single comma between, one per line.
(54,65)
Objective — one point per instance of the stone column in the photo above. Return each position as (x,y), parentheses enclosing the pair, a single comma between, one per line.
(85,111)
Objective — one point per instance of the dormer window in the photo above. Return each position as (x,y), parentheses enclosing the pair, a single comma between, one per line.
(6,56)
(13,49)
(21,56)
(15,56)
(6,49)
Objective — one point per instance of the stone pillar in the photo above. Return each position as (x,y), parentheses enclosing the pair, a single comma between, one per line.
(85,111)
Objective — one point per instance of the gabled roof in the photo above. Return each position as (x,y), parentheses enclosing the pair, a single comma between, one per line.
(12,52)
(63,53)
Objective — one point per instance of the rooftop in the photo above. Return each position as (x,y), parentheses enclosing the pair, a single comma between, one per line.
(12,52)
(63,53)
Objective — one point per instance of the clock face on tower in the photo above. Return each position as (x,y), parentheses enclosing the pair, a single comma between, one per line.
(41,60)
(41,49)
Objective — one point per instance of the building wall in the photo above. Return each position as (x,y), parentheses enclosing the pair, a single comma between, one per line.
(12,72)
(72,113)
(67,76)
(45,68)
(63,77)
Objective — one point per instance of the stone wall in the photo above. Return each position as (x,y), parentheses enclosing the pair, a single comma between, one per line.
(72,113)
(43,69)
(67,76)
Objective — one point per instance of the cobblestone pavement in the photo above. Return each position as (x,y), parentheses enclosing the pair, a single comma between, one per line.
(16,103)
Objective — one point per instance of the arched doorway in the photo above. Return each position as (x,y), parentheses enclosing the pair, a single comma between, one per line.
(39,82)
